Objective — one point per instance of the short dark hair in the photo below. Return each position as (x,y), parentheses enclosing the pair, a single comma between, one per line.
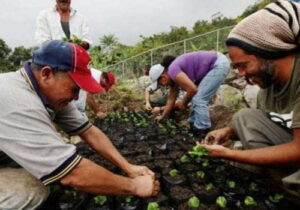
(167,60)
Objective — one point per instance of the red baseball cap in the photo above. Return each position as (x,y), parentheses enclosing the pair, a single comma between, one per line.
(69,57)
(111,80)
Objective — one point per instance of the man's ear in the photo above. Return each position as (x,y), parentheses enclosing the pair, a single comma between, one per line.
(46,74)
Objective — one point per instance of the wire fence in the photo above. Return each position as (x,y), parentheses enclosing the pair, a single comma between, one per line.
(133,67)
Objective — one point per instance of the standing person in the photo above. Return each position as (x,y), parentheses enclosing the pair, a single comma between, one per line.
(200,74)
(264,47)
(106,80)
(31,100)
(60,22)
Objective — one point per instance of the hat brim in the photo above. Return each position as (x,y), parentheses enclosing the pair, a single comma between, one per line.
(86,82)
(153,86)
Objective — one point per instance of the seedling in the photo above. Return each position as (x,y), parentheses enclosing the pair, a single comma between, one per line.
(100,200)
(253,187)
(209,187)
(73,39)
(198,151)
(205,163)
(221,202)
(153,206)
(249,201)
(220,169)
(194,202)
(184,159)
(276,198)
(200,174)
(128,198)
(173,173)
(231,184)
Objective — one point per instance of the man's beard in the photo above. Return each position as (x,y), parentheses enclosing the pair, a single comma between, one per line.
(265,74)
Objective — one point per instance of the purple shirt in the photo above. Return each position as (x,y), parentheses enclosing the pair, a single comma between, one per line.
(195,65)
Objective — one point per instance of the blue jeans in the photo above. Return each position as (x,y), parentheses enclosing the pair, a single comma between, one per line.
(206,89)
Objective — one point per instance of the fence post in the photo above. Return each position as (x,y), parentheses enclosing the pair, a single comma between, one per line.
(184,46)
(218,37)
(151,58)
(123,70)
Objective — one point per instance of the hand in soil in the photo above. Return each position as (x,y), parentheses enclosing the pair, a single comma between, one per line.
(158,118)
(101,115)
(148,107)
(135,170)
(180,105)
(145,186)
(216,151)
(155,110)
(220,136)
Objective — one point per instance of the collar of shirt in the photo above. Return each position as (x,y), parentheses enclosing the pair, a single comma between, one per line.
(72,11)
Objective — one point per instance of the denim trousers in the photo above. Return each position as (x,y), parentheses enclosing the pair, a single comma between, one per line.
(209,85)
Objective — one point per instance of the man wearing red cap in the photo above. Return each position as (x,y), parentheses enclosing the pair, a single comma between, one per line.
(35,154)
(106,80)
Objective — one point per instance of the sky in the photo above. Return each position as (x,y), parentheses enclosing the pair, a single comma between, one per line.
(126,19)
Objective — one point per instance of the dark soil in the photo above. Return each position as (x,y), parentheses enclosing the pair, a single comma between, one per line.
(140,142)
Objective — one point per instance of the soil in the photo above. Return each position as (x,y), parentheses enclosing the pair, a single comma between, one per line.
(142,144)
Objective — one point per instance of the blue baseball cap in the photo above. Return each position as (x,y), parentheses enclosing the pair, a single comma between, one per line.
(69,57)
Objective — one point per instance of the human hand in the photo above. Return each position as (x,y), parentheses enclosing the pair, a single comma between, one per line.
(180,105)
(156,110)
(101,115)
(158,118)
(220,136)
(148,107)
(136,170)
(145,186)
(216,151)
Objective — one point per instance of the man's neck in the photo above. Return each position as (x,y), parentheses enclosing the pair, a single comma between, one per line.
(64,13)
(284,69)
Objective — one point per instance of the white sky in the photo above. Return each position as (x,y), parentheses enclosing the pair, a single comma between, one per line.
(126,19)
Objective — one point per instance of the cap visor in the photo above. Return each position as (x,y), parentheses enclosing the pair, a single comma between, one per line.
(153,86)
(87,83)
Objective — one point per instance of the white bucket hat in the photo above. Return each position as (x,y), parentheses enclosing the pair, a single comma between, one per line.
(154,73)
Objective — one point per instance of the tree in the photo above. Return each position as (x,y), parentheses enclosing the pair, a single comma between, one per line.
(108,42)
(19,56)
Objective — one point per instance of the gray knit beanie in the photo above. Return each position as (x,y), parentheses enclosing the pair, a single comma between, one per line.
(270,33)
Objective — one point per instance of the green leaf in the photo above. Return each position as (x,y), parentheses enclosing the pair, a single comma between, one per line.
(276,198)
(173,173)
(194,202)
(249,201)
(100,200)
(184,159)
(153,206)
(221,202)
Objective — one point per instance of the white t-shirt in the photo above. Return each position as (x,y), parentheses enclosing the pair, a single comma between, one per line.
(81,102)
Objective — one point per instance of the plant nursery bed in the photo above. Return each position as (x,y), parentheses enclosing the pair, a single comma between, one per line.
(189,179)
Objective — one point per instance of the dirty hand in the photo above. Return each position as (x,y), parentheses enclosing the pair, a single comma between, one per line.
(135,170)
(216,151)
(180,105)
(145,186)
(101,115)
(148,107)
(219,136)
(158,118)
(155,110)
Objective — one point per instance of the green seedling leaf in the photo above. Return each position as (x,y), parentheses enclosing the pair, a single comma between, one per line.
(100,200)
(194,202)
(209,187)
(198,151)
(153,206)
(173,173)
(220,169)
(249,201)
(128,198)
(200,174)
(276,198)
(205,163)
(231,184)
(184,159)
(253,187)
(221,202)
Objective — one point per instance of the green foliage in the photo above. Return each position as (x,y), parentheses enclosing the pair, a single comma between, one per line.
(200,174)
(100,200)
(230,184)
(249,201)
(276,198)
(221,202)
(75,39)
(153,206)
(209,187)
(128,198)
(184,159)
(194,202)
(198,151)
(253,187)
(173,173)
